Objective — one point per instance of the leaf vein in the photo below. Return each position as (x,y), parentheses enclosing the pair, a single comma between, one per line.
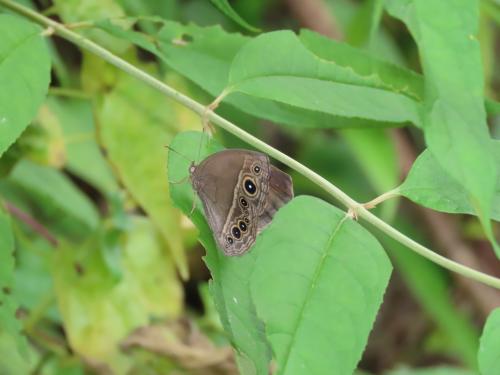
(317,272)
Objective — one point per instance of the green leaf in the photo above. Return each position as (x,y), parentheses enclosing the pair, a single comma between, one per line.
(192,50)
(137,124)
(428,283)
(429,185)
(62,204)
(230,275)
(292,75)
(123,29)
(488,357)
(64,365)
(377,7)
(12,342)
(167,9)
(319,289)
(98,311)
(454,117)
(76,119)
(23,83)
(226,8)
(152,271)
(43,142)
(212,48)
(442,370)
(363,26)
(377,73)
(34,287)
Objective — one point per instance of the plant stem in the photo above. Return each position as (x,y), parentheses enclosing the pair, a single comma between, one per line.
(70,93)
(200,109)
(31,222)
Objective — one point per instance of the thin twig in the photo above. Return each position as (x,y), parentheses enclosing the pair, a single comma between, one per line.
(200,109)
(31,222)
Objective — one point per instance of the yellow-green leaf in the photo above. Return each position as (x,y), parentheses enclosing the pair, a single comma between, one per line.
(136,122)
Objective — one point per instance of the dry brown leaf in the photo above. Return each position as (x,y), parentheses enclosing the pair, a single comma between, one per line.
(184,344)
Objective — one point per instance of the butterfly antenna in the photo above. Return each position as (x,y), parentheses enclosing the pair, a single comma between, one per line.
(178,153)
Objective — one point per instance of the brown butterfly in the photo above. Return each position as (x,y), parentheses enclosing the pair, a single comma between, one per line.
(240,191)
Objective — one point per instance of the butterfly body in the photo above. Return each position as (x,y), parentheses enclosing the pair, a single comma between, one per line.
(240,191)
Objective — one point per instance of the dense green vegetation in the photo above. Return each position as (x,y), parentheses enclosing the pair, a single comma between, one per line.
(107,263)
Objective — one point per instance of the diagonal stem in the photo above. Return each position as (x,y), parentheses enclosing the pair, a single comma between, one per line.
(201,110)
(31,222)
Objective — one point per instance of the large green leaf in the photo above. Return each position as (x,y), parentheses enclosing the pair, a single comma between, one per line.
(193,50)
(453,116)
(12,342)
(23,83)
(317,284)
(429,284)
(293,75)
(488,356)
(135,125)
(429,185)
(230,275)
(57,199)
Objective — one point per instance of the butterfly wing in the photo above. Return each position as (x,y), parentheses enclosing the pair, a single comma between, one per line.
(234,187)
(280,192)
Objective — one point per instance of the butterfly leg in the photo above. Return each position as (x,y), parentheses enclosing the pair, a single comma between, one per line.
(181,181)
(194,205)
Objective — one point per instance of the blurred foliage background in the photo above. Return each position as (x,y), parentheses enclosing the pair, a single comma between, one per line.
(109,275)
